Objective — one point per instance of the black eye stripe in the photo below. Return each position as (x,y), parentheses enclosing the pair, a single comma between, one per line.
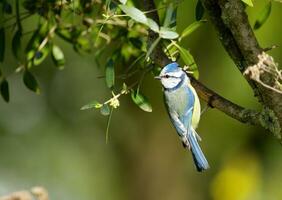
(169,76)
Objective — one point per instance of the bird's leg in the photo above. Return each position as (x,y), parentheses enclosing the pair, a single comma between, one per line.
(205,109)
(185,142)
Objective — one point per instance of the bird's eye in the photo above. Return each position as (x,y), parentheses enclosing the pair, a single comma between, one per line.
(166,76)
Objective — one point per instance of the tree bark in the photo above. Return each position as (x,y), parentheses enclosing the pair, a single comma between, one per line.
(237,37)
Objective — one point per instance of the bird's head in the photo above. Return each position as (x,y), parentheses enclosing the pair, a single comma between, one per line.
(172,76)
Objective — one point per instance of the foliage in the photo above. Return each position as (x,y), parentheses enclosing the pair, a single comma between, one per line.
(99,27)
(264,14)
(248,2)
(93,26)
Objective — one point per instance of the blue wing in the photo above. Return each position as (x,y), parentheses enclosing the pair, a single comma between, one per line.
(199,158)
(200,161)
(180,107)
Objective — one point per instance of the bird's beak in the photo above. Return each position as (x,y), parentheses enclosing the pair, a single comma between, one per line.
(157,77)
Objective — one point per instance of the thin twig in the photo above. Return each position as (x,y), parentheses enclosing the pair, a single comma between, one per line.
(13,17)
(46,39)
(22,18)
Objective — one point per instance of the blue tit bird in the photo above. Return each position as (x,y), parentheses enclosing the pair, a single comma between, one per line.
(184,110)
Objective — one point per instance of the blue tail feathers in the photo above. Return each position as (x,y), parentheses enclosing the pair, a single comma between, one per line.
(200,161)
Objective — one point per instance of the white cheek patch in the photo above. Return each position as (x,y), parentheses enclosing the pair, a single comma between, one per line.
(176,74)
(170,82)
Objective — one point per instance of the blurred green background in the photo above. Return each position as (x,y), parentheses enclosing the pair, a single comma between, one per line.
(46,140)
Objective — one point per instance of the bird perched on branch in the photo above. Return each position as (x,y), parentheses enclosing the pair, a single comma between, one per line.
(184,110)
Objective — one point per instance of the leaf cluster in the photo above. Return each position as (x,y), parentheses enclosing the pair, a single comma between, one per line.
(114,32)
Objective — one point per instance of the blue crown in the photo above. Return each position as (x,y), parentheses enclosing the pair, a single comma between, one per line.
(172,67)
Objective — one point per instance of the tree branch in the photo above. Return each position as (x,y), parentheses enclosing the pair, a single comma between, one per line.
(213,99)
(231,109)
(237,37)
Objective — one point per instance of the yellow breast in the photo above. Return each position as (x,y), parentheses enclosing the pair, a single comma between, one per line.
(197,109)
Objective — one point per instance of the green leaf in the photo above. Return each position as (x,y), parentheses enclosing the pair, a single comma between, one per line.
(152,47)
(153,25)
(185,55)
(156,70)
(113,6)
(32,53)
(44,28)
(136,42)
(82,44)
(168,34)
(30,82)
(134,13)
(2,44)
(169,15)
(123,1)
(191,28)
(141,101)
(93,104)
(58,57)
(66,34)
(263,15)
(30,5)
(105,109)
(87,21)
(200,11)
(188,60)
(16,43)
(108,124)
(110,74)
(40,56)
(7,8)
(248,2)
(4,87)
(31,45)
